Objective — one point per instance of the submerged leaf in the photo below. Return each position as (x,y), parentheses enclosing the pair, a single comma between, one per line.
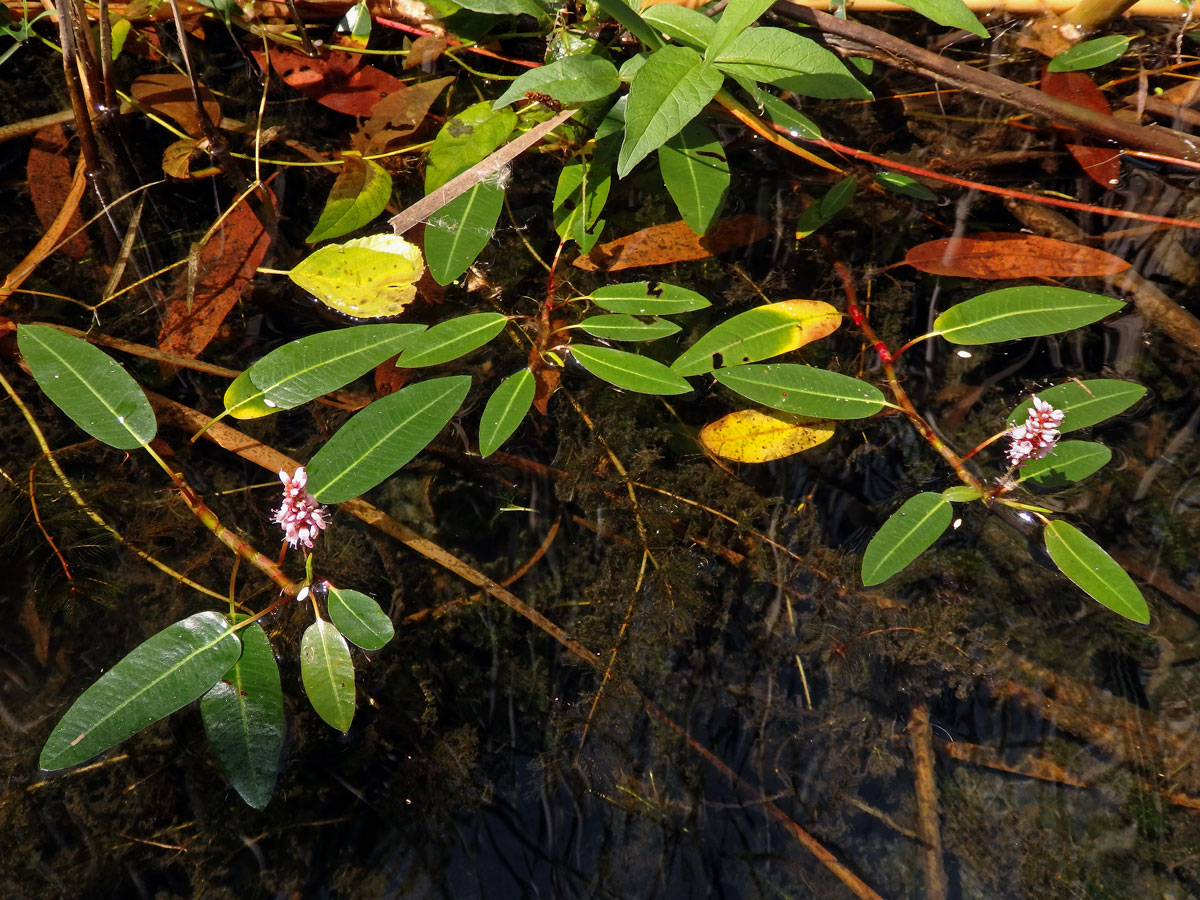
(1011,256)
(674,242)
(360,192)
(756,436)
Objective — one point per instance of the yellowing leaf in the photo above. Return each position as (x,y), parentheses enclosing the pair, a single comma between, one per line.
(369,278)
(759,333)
(760,435)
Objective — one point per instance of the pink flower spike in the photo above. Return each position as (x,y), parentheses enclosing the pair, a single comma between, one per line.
(1037,436)
(301,516)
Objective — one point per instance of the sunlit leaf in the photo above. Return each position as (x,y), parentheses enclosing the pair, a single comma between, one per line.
(904,186)
(162,674)
(451,339)
(696,174)
(383,437)
(243,719)
(1095,572)
(89,386)
(756,436)
(737,16)
(1069,461)
(339,81)
(795,123)
(759,333)
(328,674)
(646,298)
(508,7)
(1085,403)
(246,400)
(960,493)
(360,192)
(504,411)
(803,390)
(681,24)
(369,278)
(359,618)
(457,233)
(571,80)
(579,198)
(993,256)
(620,327)
(1091,54)
(790,61)
(951,13)
(1021,312)
(629,371)
(467,138)
(907,533)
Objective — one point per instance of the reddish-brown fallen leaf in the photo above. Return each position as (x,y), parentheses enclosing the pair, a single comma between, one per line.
(50,175)
(170,94)
(339,80)
(226,263)
(425,50)
(397,115)
(994,256)
(545,380)
(673,242)
(1101,164)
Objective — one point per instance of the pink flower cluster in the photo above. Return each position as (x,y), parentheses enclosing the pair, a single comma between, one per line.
(301,516)
(1037,436)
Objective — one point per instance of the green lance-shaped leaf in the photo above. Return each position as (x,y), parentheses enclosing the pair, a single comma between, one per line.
(648,298)
(359,193)
(795,63)
(509,8)
(163,674)
(359,618)
(243,719)
(951,13)
(696,174)
(383,437)
(682,25)
(328,674)
(573,79)
(759,333)
(736,18)
(960,493)
(821,211)
(1090,54)
(630,371)
(904,186)
(89,386)
(579,198)
(313,366)
(1084,403)
(1095,572)
(505,409)
(908,532)
(1068,462)
(782,114)
(457,233)
(1021,312)
(669,90)
(451,339)
(620,327)
(467,138)
(803,390)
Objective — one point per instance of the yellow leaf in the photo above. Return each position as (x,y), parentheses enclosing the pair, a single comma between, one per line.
(815,319)
(369,278)
(760,435)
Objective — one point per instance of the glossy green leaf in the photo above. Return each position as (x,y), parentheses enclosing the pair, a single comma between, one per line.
(669,90)
(570,80)
(907,533)
(904,186)
(960,493)
(1021,312)
(360,193)
(243,719)
(821,211)
(803,390)
(1090,54)
(88,385)
(951,13)
(648,298)
(505,409)
(1085,403)
(508,8)
(620,327)
(451,339)
(457,233)
(1095,572)
(467,138)
(631,21)
(759,333)
(736,18)
(162,674)
(790,61)
(630,371)
(796,124)
(1068,462)
(328,674)
(696,174)
(682,25)
(313,366)
(359,618)
(383,437)
(579,198)
(369,277)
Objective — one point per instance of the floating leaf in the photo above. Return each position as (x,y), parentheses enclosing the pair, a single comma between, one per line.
(457,233)
(369,278)
(993,256)
(571,80)
(243,719)
(759,333)
(756,436)
(1091,54)
(790,61)
(1095,572)
(696,174)
(162,674)
(360,192)
(89,386)
(451,339)
(629,371)
(467,138)
(907,533)
(1021,312)
(359,618)
(313,366)
(674,242)
(504,411)
(645,298)
(328,674)
(803,390)
(951,13)
(620,327)
(383,437)
(1084,403)
(1069,461)
(339,81)
(960,493)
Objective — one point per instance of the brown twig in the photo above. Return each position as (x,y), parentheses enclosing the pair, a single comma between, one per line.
(920,736)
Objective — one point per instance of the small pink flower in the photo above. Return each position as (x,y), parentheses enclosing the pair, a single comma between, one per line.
(301,516)
(1037,436)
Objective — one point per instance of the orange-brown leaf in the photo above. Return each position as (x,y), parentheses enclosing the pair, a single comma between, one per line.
(1101,164)
(761,435)
(673,242)
(425,50)
(170,94)
(398,115)
(50,174)
(995,256)
(339,81)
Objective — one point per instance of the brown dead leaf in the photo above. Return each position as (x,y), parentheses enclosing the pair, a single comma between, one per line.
(177,159)
(50,174)
(995,256)
(673,242)
(545,380)
(424,51)
(339,81)
(170,94)
(1101,164)
(397,115)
